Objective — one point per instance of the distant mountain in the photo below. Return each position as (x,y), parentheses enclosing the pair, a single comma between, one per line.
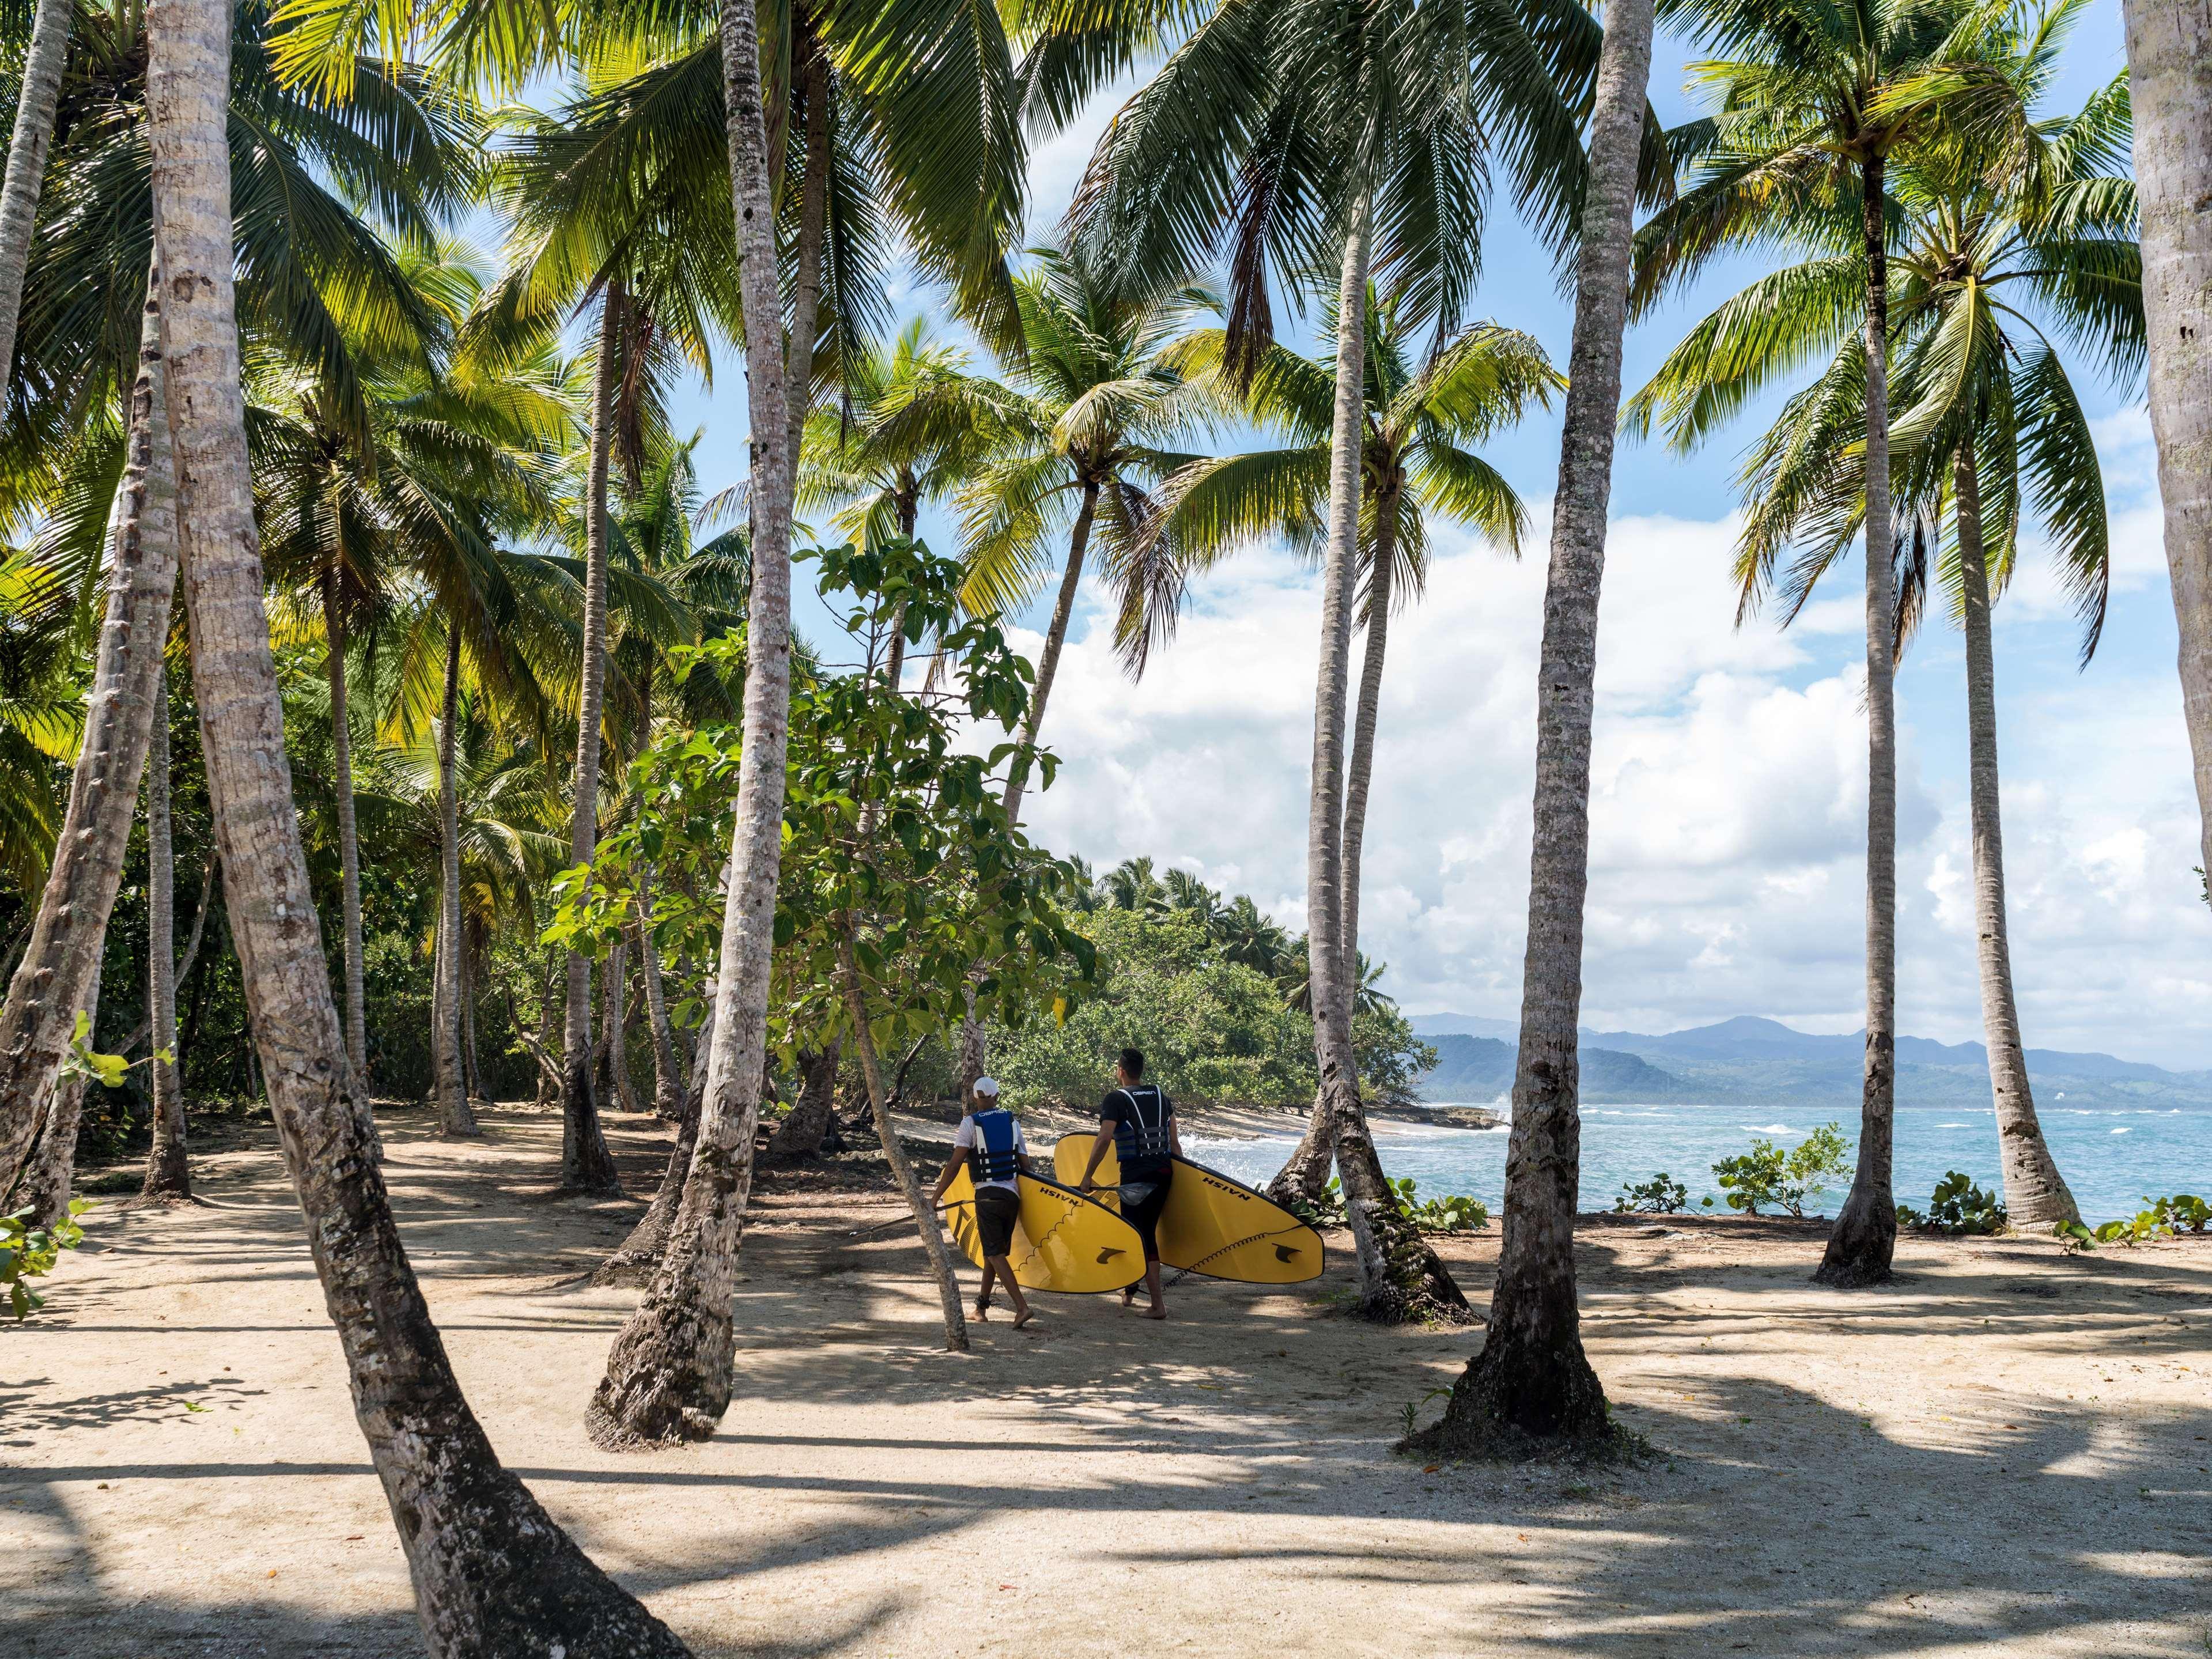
(1753,1059)
(1480,1068)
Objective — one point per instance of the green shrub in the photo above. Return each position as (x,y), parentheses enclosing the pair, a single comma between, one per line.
(2144,1225)
(1767,1174)
(1661,1195)
(2181,1212)
(1455,1214)
(29,1252)
(1957,1209)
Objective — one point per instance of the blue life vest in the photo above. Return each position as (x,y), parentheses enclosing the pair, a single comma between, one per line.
(1143,1133)
(996,1155)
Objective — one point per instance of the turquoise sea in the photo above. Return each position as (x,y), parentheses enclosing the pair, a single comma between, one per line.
(2111,1156)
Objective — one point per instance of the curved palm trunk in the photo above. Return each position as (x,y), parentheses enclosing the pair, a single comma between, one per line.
(1531,1377)
(356,995)
(168,1176)
(1056,637)
(454,1116)
(493,1574)
(49,986)
(27,161)
(2170,82)
(587,1166)
(1865,1236)
(669,1375)
(1399,1276)
(1303,1178)
(2034,1190)
(46,1182)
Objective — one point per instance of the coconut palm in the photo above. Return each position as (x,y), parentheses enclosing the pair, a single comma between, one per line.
(1354,136)
(36,94)
(1420,414)
(1807,112)
(1989,423)
(492,1571)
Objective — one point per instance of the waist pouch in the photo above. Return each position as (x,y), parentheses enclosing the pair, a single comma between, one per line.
(1137,1193)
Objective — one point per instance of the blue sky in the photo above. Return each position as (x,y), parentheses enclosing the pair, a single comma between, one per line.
(1729,798)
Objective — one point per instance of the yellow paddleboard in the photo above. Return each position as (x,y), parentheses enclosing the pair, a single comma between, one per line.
(1063,1242)
(1212,1224)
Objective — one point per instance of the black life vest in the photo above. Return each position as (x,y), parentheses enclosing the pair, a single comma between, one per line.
(996,1155)
(1142,1132)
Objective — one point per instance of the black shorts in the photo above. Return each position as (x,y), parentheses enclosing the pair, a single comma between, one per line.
(996,1212)
(1142,1200)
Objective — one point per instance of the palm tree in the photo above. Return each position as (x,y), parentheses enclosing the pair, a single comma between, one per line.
(1077,444)
(492,1571)
(1532,1376)
(669,1374)
(1807,115)
(2172,96)
(36,96)
(1419,415)
(1292,135)
(1132,885)
(1989,418)
(1247,934)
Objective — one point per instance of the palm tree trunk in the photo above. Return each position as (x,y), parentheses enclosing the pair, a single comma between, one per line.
(1303,1178)
(1399,1276)
(1531,1377)
(638,1258)
(471,1070)
(1063,608)
(925,1216)
(27,161)
(669,1375)
(455,1117)
(800,1134)
(168,1176)
(667,1076)
(1865,1236)
(49,984)
(587,1166)
(813,220)
(2034,1190)
(356,996)
(492,1572)
(616,1025)
(46,1181)
(2170,81)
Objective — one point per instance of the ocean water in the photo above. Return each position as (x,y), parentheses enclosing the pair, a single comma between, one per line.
(2111,1157)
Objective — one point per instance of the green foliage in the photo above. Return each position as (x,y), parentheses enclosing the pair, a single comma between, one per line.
(1661,1195)
(2140,1228)
(2181,1212)
(29,1252)
(1455,1212)
(1768,1175)
(1957,1209)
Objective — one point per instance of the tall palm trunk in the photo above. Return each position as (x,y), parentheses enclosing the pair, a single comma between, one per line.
(667,1078)
(492,1572)
(615,1026)
(669,1375)
(1399,1276)
(27,161)
(1056,637)
(1303,1178)
(1865,1236)
(587,1166)
(638,1257)
(813,221)
(454,1116)
(1531,1376)
(2169,83)
(2034,1190)
(49,984)
(168,1176)
(356,995)
(880,1107)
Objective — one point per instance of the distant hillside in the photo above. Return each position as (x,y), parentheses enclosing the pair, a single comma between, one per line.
(1477,1068)
(1763,1061)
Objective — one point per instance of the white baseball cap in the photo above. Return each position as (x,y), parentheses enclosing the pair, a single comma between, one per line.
(986,1086)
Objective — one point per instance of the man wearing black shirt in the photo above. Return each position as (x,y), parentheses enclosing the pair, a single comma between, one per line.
(1137,1119)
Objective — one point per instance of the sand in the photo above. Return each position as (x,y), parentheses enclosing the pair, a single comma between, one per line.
(2006,1454)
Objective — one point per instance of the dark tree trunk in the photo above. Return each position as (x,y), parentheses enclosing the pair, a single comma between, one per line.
(800,1135)
(1532,1378)
(53,1168)
(493,1575)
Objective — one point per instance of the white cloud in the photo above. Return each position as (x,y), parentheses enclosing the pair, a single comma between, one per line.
(1728,804)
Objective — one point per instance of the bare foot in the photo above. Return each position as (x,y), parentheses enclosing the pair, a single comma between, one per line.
(1156,1313)
(983,1311)
(1024,1317)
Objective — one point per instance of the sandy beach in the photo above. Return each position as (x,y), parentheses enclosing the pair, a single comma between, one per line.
(2008,1453)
